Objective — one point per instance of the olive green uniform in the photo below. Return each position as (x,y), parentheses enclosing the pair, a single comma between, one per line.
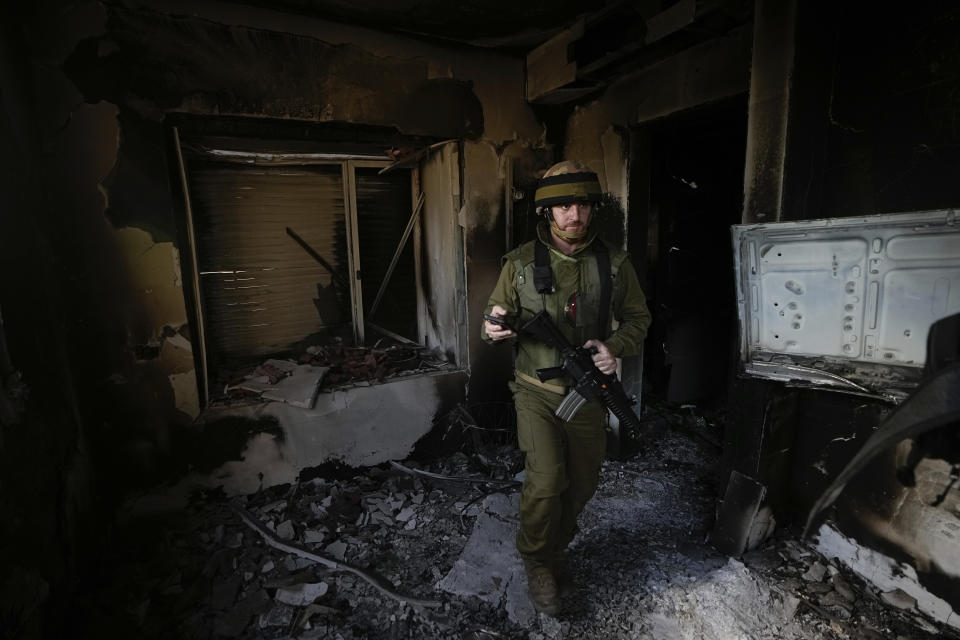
(562,458)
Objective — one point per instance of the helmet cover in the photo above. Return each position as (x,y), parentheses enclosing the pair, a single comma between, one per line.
(566,182)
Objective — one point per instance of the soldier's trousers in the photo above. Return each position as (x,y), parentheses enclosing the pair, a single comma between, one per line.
(562,468)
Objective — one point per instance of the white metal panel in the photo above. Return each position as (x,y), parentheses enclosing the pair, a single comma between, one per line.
(811,297)
(914,299)
(849,297)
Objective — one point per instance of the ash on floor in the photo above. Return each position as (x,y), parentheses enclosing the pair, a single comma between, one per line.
(644,565)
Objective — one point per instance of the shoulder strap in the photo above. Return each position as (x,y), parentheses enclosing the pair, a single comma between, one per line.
(606,284)
(542,273)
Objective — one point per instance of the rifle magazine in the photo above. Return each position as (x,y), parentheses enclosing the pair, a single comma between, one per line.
(570,405)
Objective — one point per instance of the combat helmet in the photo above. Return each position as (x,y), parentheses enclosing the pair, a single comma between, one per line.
(566,182)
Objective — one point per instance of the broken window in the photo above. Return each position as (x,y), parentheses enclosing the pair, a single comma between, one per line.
(292,250)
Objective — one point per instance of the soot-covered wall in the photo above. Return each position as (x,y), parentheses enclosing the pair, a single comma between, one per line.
(871,128)
(710,71)
(92,292)
(892,140)
(52,475)
(142,64)
(851,114)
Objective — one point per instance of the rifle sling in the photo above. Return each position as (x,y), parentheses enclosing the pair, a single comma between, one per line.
(542,273)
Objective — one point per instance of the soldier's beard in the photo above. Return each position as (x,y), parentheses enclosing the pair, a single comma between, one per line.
(568,236)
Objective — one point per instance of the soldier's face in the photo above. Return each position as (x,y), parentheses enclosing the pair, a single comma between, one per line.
(572,217)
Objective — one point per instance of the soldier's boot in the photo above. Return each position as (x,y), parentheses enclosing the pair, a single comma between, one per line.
(562,575)
(541,587)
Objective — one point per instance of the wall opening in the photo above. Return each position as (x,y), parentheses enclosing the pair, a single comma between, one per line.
(296,244)
(696,193)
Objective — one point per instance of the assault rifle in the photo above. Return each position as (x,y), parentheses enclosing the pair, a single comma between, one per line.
(577,363)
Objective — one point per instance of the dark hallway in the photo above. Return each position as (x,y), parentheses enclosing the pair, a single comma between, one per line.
(696,193)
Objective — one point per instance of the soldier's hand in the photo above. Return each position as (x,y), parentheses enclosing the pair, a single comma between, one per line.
(603,358)
(495,331)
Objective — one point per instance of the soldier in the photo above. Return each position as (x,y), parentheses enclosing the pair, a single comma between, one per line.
(587,283)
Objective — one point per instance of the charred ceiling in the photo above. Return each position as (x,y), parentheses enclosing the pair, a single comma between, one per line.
(500,24)
(607,45)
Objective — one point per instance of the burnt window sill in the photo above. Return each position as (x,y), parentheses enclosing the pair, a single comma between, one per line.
(324,370)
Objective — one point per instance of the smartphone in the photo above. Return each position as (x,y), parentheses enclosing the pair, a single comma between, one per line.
(497,320)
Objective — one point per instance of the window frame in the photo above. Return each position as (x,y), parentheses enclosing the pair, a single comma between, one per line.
(353,228)
(348,164)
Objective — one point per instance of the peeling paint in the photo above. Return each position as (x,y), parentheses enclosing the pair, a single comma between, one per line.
(884,572)
(613,170)
(177,273)
(176,355)
(263,463)
(484,189)
(153,270)
(360,426)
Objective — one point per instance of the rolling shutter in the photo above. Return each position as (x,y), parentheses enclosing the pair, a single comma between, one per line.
(261,291)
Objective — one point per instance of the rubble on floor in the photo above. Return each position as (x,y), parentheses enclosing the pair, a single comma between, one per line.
(897,581)
(642,560)
(349,364)
(489,567)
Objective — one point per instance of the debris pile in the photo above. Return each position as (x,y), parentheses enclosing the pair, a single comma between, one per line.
(282,381)
(410,551)
(832,594)
(325,367)
(212,575)
(350,364)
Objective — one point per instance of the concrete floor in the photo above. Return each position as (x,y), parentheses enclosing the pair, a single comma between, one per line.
(643,562)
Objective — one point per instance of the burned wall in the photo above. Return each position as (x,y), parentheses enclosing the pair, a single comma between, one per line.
(711,71)
(870,127)
(494,173)
(852,116)
(442,251)
(236,70)
(51,529)
(627,135)
(92,295)
(116,217)
(892,139)
(232,59)
(815,434)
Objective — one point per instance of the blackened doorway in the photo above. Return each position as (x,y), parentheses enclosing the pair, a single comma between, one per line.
(696,165)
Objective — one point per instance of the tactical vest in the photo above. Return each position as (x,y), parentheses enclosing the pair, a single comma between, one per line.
(578,273)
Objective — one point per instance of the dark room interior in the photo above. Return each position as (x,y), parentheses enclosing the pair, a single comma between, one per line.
(246,250)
